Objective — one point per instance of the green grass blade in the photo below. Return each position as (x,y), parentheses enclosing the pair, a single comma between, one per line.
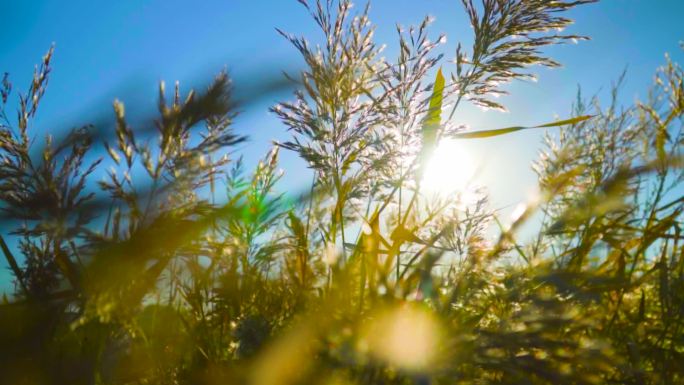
(507,130)
(434,116)
(12,263)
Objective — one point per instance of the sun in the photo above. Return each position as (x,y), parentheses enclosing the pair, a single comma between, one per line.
(450,169)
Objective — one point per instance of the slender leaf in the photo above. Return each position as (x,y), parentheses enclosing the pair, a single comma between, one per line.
(508,130)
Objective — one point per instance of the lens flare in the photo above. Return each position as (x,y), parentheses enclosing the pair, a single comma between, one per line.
(407,337)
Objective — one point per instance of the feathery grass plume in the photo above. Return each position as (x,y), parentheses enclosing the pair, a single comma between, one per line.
(46,196)
(616,227)
(602,148)
(183,161)
(334,120)
(508,38)
(407,90)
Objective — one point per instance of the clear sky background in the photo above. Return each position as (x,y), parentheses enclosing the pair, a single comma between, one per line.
(121,49)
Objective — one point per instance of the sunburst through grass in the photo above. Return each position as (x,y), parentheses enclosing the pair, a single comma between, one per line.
(376,275)
(450,170)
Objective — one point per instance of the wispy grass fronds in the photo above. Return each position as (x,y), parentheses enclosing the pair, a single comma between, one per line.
(508,39)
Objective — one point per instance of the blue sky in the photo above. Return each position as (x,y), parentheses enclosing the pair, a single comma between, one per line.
(121,49)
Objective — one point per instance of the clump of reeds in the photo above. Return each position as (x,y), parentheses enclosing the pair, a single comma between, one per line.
(178,266)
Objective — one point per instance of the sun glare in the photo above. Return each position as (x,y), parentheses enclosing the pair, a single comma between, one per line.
(450,170)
